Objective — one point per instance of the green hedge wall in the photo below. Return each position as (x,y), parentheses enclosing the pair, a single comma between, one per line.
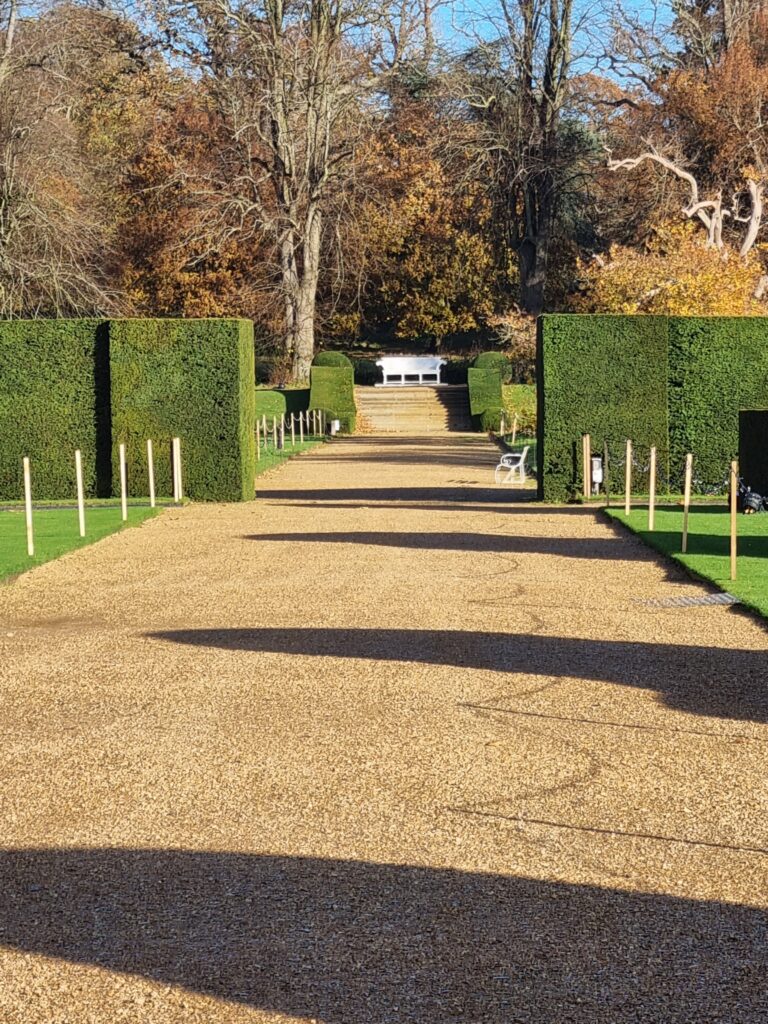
(484,392)
(676,382)
(605,376)
(717,366)
(275,403)
(332,389)
(54,398)
(192,379)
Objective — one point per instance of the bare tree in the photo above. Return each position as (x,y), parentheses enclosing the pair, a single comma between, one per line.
(296,82)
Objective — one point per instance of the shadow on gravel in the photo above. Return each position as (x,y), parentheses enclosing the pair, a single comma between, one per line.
(351,942)
(472,495)
(701,680)
(611,548)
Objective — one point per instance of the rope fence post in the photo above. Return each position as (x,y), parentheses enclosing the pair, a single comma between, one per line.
(301,428)
(151,472)
(80,491)
(734,529)
(274,431)
(652,490)
(628,480)
(28,507)
(586,455)
(123,484)
(282,430)
(258,440)
(293,432)
(178,468)
(687,498)
(502,426)
(514,429)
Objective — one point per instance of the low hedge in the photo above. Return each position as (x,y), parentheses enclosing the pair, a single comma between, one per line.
(332,389)
(271,403)
(192,379)
(54,398)
(494,361)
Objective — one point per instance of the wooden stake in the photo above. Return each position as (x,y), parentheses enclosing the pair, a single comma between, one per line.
(28,508)
(151,471)
(282,431)
(502,431)
(687,498)
(258,440)
(606,484)
(274,431)
(301,427)
(80,492)
(652,491)
(587,458)
(734,529)
(293,432)
(514,428)
(628,480)
(123,484)
(264,428)
(179,480)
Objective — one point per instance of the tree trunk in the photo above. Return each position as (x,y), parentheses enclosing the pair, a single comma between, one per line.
(532,265)
(303,347)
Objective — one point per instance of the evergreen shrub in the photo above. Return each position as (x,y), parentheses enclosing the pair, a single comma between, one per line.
(332,389)
(192,379)
(54,398)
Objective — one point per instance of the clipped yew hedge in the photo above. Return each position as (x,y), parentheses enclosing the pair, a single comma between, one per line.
(332,389)
(54,398)
(717,366)
(192,379)
(484,386)
(674,382)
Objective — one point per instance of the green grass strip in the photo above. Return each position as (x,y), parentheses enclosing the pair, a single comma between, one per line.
(57,532)
(272,457)
(708,554)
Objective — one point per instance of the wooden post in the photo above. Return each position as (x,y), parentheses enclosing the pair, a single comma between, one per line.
(28,508)
(687,498)
(734,530)
(123,484)
(80,492)
(178,468)
(652,490)
(258,440)
(587,459)
(264,428)
(293,432)
(282,431)
(628,480)
(301,428)
(606,485)
(502,425)
(274,431)
(514,429)
(151,472)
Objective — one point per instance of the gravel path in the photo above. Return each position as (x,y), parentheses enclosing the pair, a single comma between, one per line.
(383,746)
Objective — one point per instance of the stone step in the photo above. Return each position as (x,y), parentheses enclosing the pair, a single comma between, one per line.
(413,410)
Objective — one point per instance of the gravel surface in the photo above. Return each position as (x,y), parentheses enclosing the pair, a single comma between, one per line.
(386,745)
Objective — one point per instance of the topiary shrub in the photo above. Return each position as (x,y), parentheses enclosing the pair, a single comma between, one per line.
(494,361)
(332,388)
(332,359)
(192,379)
(484,392)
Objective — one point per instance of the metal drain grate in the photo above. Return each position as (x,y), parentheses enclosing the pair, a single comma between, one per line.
(689,602)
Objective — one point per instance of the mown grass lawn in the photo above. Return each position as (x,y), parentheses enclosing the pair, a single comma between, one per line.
(708,552)
(56,532)
(270,457)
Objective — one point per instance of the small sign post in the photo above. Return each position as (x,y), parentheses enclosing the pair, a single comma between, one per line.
(628,480)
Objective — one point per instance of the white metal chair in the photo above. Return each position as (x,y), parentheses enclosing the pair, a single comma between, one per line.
(511,467)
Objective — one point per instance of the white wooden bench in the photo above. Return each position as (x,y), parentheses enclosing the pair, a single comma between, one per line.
(409,371)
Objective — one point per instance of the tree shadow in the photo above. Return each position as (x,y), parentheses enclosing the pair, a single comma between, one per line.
(610,548)
(511,502)
(473,495)
(711,681)
(353,942)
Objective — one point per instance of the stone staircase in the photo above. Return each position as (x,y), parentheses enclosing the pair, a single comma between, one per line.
(417,410)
